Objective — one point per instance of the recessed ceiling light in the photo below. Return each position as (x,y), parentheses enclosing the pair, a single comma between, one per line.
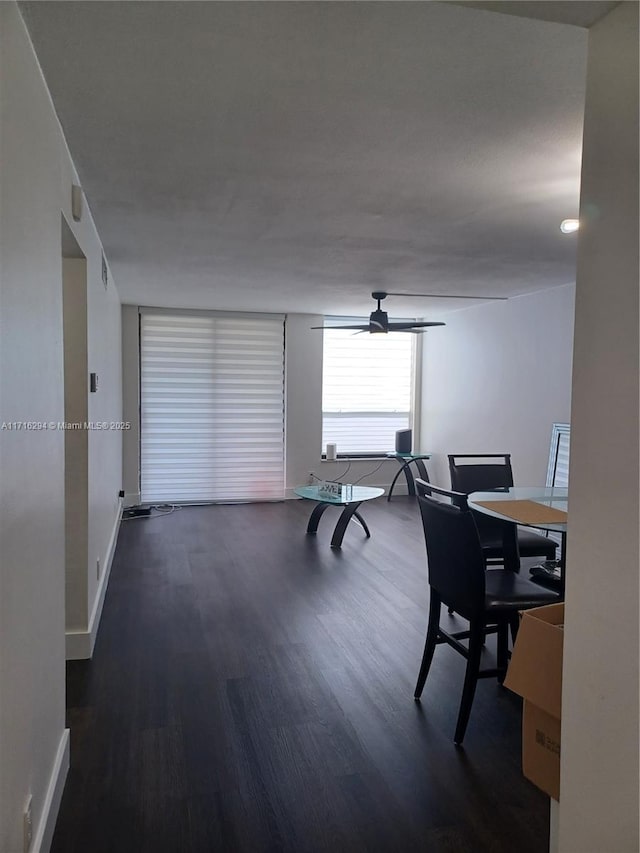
(568,226)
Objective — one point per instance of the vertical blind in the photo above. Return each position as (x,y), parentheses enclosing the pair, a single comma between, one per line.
(367,385)
(212,406)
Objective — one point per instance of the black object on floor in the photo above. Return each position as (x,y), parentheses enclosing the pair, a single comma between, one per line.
(136,512)
(549,574)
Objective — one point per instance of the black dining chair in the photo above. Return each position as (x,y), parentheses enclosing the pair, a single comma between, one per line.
(484,476)
(489,600)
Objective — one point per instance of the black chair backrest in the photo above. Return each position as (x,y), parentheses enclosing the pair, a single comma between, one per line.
(427,489)
(480,476)
(454,554)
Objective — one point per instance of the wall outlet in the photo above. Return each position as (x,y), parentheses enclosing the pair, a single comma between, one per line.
(27,825)
(98,568)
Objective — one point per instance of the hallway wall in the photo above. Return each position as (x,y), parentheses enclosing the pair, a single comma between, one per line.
(36,174)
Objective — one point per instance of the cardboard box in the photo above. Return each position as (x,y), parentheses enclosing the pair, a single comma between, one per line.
(535,673)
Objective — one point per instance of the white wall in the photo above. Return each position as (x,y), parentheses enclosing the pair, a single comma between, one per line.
(303,428)
(496,378)
(599,779)
(36,176)
(304,401)
(518,350)
(104,351)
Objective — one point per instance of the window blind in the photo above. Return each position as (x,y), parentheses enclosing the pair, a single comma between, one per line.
(367,390)
(212,406)
(558,468)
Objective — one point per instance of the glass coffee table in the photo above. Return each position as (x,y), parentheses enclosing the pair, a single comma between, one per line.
(349,511)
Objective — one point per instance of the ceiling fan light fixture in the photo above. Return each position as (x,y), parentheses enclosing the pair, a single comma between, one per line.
(568,226)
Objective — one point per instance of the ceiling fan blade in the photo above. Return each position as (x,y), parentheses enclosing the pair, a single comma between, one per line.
(406,327)
(449,296)
(379,319)
(362,327)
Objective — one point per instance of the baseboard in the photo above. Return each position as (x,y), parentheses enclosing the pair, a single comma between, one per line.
(43,835)
(79,644)
(554,825)
(131,499)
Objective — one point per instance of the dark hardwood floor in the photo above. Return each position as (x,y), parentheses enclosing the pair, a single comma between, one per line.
(251,690)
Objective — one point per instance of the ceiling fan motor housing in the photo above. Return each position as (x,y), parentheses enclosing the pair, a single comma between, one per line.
(379,322)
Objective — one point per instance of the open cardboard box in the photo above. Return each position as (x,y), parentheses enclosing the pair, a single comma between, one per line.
(535,673)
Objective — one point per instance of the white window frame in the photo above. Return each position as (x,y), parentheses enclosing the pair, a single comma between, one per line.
(416,391)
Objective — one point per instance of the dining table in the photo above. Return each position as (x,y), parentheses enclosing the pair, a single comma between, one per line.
(544,508)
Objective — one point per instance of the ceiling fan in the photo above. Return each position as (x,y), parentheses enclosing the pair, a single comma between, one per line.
(379,322)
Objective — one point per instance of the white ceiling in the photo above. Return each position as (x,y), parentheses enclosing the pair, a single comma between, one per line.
(579,13)
(296,156)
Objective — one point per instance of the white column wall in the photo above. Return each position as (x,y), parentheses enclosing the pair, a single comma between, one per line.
(303,430)
(599,771)
(131,405)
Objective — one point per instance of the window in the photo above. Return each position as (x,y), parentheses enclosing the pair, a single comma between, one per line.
(558,468)
(212,406)
(367,389)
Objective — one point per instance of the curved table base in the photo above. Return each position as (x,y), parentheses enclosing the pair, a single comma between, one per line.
(349,511)
(405,468)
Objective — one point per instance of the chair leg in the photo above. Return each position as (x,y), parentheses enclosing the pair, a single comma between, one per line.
(476,640)
(514,623)
(503,650)
(430,643)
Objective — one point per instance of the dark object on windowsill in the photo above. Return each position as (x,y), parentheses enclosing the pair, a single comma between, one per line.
(404,440)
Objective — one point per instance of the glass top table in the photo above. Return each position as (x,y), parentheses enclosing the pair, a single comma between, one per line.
(350,508)
(554,498)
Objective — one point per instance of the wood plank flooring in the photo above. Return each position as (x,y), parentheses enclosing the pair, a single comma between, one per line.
(251,690)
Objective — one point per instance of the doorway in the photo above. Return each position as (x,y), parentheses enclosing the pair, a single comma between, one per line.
(76,449)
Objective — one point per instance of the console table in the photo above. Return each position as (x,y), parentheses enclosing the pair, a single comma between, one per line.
(405,460)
